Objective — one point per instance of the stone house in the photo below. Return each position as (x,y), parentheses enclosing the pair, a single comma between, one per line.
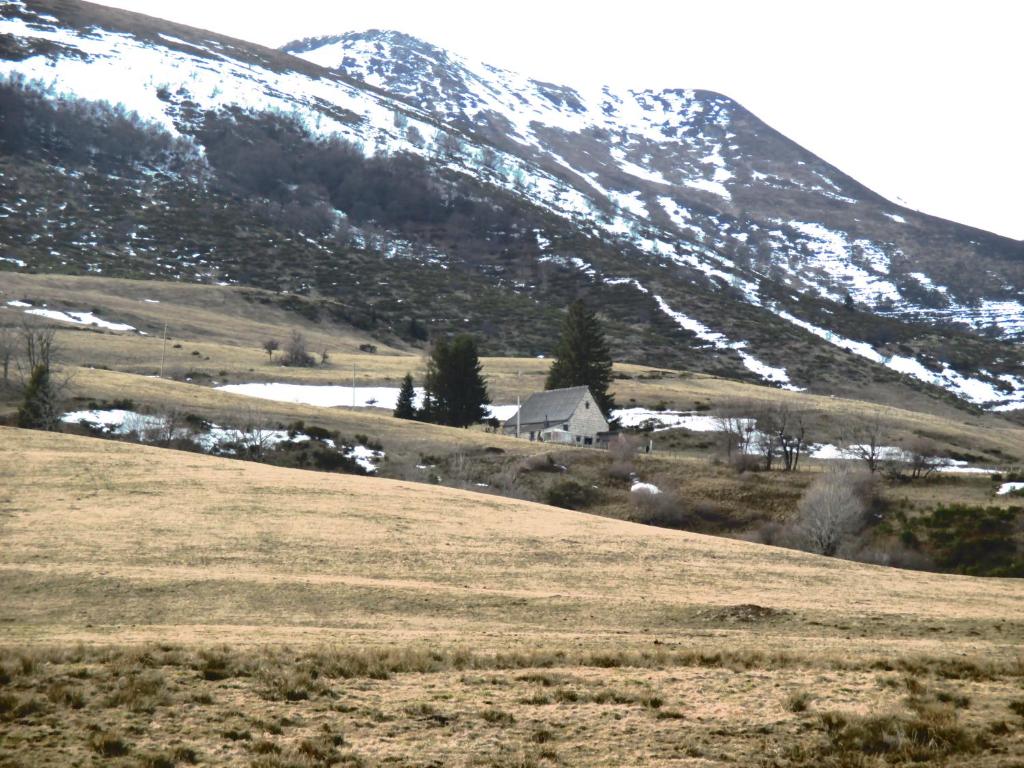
(569,416)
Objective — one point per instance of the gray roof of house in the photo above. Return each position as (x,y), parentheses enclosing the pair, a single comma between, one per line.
(553,406)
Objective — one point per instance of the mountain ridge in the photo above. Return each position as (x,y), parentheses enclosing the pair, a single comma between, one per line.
(716,242)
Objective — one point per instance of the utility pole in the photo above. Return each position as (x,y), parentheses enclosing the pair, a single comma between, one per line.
(518,405)
(163,352)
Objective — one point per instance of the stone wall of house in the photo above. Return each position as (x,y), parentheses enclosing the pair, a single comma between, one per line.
(586,420)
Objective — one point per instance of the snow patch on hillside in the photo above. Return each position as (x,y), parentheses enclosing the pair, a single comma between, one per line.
(973,390)
(339,396)
(211,438)
(709,185)
(833,257)
(78,318)
(720,341)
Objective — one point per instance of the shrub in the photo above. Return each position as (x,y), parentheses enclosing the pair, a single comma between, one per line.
(542,462)
(981,541)
(108,744)
(569,494)
(296,353)
(831,511)
(661,509)
(622,451)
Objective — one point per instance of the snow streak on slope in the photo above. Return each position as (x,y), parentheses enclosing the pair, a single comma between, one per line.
(720,341)
(1001,393)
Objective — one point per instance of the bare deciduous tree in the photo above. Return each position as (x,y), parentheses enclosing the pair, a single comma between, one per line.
(255,434)
(622,450)
(8,347)
(781,434)
(737,429)
(38,348)
(922,459)
(914,463)
(790,434)
(42,389)
(831,510)
(270,346)
(865,441)
(295,350)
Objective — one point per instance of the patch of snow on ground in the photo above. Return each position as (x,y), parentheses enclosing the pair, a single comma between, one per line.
(79,318)
(1006,488)
(635,170)
(709,185)
(833,253)
(18,304)
(630,202)
(215,439)
(926,281)
(625,281)
(333,396)
(15,262)
(650,488)
(364,457)
(662,420)
(501,412)
(323,395)
(895,217)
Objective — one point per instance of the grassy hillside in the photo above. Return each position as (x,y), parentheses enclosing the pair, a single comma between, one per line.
(414,624)
(215,336)
(216,333)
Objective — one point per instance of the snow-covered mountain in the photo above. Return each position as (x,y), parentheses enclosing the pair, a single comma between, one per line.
(703,232)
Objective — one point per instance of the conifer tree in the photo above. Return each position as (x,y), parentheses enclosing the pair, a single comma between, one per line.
(406,407)
(455,389)
(582,357)
(39,409)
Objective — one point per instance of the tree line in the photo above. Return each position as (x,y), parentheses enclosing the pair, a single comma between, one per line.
(455,392)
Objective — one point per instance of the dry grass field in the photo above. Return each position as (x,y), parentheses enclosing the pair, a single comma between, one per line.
(164,608)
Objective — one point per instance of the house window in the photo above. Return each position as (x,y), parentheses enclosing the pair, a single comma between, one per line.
(565,427)
(588,441)
(586,404)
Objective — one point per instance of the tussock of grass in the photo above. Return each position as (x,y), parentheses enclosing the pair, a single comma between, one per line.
(65,695)
(930,734)
(108,743)
(799,701)
(13,707)
(140,692)
(497,716)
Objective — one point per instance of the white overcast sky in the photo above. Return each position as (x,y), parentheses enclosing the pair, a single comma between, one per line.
(923,101)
